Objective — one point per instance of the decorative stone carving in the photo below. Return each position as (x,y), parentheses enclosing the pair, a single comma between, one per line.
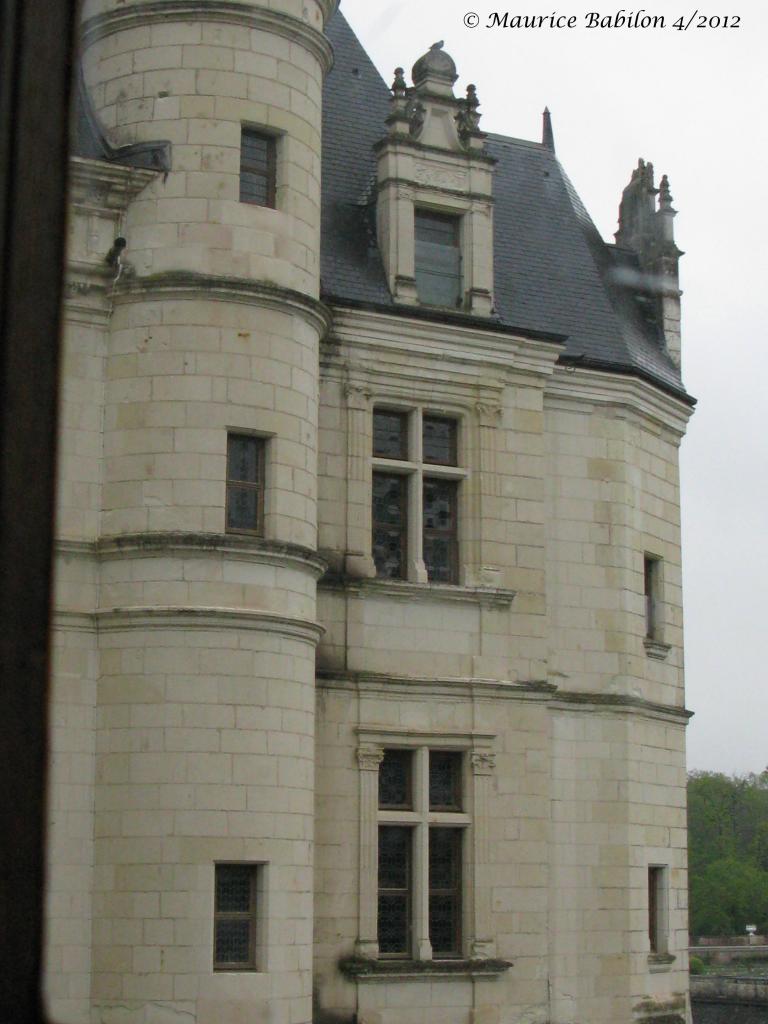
(483,762)
(439,177)
(468,119)
(369,758)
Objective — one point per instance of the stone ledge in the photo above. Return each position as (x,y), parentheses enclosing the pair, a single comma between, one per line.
(497,597)
(656,649)
(189,284)
(365,969)
(238,546)
(659,962)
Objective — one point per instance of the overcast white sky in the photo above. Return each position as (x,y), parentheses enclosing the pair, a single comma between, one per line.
(695,103)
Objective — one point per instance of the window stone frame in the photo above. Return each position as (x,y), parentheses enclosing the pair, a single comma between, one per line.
(479,766)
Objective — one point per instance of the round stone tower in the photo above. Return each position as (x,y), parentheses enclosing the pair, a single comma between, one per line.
(206,615)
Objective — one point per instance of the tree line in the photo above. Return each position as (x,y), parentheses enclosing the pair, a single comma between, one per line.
(727,853)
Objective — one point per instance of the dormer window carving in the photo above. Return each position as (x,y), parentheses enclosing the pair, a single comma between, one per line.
(435,201)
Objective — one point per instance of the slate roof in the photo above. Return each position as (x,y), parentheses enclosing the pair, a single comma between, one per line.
(553,271)
(90,141)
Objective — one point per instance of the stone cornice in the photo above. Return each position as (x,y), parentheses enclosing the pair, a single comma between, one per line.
(228,12)
(367,969)
(215,618)
(182,284)
(206,617)
(102,186)
(397,686)
(237,547)
(413,183)
(407,142)
(573,700)
(451,338)
(403,590)
(570,387)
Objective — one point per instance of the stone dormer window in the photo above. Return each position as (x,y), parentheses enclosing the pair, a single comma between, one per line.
(435,201)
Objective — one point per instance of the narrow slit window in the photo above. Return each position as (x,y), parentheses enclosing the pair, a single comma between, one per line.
(258,153)
(245,483)
(656,910)
(651,580)
(235,917)
(438,258)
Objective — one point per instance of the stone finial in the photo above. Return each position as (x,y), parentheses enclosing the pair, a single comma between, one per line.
(399,86)
(547,135)
(435,69)
(468,118)
(665,196)
(637,209)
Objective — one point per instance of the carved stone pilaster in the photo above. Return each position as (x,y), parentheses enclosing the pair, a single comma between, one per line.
(483,763)
(358,561)
(486,485)
(369,757)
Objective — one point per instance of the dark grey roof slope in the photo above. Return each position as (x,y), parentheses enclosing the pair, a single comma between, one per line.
(553,272)
(89,140)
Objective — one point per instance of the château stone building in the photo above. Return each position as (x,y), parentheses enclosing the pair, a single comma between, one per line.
(368,683)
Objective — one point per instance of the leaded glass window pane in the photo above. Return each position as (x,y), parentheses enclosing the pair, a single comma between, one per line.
(257,168)
(390,435)
(394,890)
(395,779)
(389,525)
(445,891)
(440,441)
(444,780)
(233,942)
(438,259)
(233,887)
(234,916)
(245,482)
(440,542)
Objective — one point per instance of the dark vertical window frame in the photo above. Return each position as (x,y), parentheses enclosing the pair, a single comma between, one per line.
(437,247)
(395,900)
(656,904)
(652,595)
(390,434)
(396,780)
(440,443)
(258,167)
(245,483)
(445,891)
(440,506)
(445,780)
(390,525)
(235,914)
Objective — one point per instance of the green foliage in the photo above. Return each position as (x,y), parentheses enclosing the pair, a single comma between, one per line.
(728,852)
(697,965)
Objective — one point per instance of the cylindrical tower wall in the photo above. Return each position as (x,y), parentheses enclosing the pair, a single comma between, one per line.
(207,637)
(196,74)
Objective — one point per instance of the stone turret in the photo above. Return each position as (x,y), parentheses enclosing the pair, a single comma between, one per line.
(647,227)
(202,564)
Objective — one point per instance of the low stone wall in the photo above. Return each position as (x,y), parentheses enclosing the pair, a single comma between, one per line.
(729,1000)
(726,954)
